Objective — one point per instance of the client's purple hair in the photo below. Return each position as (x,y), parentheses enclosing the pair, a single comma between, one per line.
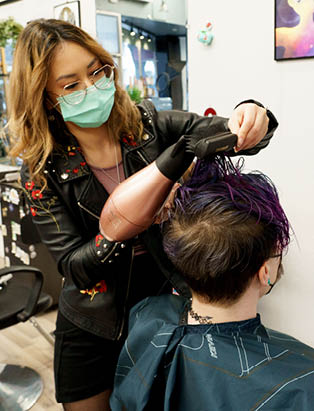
(252,194)
(223,226)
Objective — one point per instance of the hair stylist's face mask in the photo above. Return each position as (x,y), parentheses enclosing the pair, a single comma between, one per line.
(93,111)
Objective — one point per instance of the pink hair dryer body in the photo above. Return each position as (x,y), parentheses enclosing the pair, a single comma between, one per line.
(132,206)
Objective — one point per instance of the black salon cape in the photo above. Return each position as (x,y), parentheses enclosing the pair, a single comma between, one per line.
(230,366)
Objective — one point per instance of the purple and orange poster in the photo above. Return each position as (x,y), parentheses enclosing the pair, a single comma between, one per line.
(294,29)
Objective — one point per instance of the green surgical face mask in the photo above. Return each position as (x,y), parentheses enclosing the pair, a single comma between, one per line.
(93,111)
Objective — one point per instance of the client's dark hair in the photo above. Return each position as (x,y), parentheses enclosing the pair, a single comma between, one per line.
(224,225)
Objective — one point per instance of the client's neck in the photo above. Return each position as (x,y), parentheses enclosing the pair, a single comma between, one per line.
(243,309)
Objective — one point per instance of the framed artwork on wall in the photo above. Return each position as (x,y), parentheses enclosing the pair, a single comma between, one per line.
(2,2)
(69,11)
(294,29)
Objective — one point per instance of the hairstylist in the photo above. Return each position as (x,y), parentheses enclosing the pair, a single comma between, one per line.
(79,136)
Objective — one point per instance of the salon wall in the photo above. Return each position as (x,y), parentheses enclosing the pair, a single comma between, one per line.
(26,10)
(239,64)
(175,12)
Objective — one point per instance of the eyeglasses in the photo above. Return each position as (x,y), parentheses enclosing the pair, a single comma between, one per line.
(74,93)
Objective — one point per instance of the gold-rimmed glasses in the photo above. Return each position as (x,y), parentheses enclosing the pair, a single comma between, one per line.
(75,92)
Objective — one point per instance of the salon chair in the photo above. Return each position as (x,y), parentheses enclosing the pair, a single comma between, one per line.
(20,300)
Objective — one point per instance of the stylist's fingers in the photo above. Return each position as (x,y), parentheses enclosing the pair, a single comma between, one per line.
(258,130)
(248,121)
(241,122)
(235,121)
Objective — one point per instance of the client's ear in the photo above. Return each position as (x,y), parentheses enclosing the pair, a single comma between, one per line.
(263,274)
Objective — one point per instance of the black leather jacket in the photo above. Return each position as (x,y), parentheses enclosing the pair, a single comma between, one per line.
(67,214)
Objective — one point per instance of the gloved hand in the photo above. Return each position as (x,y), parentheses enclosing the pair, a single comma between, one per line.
(175,160)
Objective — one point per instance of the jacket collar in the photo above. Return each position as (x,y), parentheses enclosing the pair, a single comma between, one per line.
(69,163)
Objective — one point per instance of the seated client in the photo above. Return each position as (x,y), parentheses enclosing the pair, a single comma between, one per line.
(226,234)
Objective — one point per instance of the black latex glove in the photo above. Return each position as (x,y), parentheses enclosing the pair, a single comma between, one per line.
(175,160)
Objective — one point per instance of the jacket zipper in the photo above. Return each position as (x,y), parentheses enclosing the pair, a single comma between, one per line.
(130,271)
(114,247)
(87,210)
(142,158)
(127,296)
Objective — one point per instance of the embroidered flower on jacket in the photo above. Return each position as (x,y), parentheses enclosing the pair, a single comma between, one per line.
(72,149)
(37,205)
(29,185)
(98,239)
(36,194)
(129,140)
(80,164)
(100,287)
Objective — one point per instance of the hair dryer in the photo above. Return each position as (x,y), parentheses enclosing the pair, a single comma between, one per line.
(133,205)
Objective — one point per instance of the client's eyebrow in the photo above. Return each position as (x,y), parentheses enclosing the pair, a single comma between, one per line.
(89,65)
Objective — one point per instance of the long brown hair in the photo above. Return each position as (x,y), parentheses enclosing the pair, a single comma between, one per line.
(28,124)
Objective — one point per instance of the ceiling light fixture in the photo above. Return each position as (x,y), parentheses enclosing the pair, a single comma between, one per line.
(132,32)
